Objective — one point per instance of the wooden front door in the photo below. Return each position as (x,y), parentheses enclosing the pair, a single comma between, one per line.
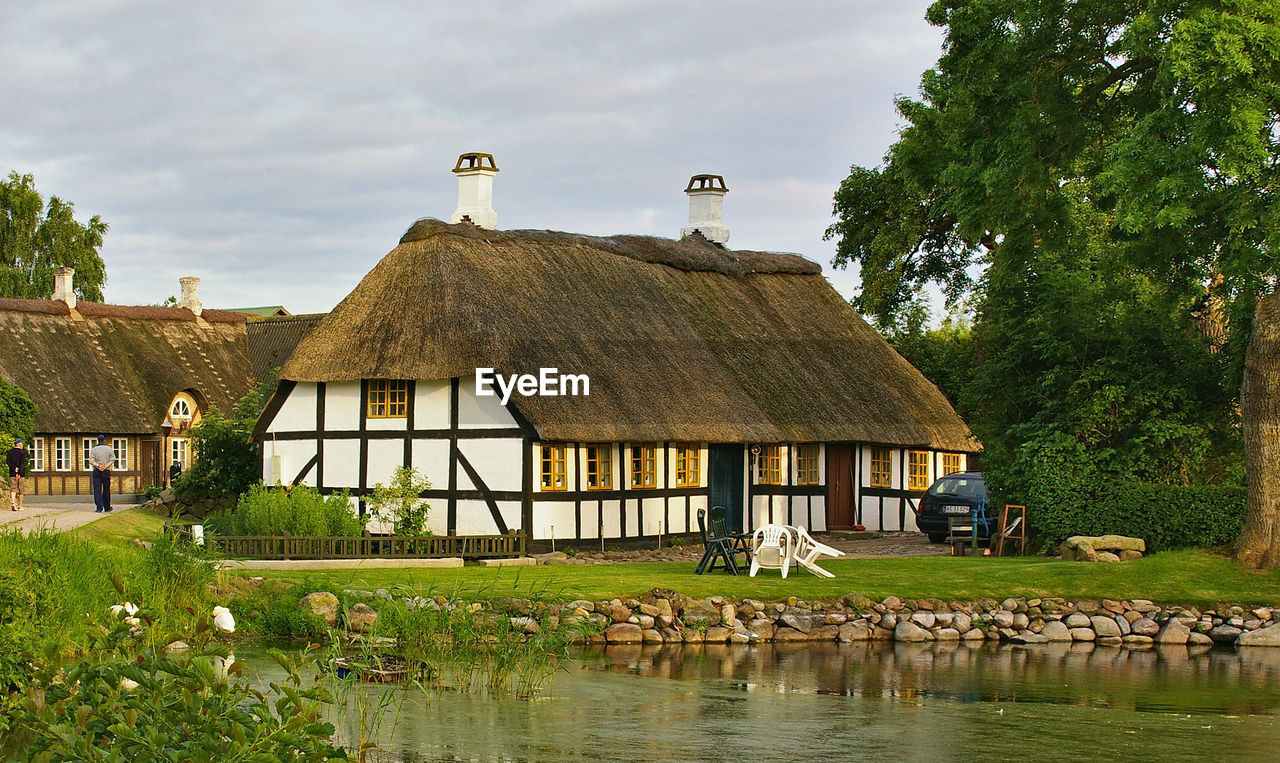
(149,463)
(840,488)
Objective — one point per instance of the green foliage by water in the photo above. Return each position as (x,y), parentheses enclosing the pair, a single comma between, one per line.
(226,461)
(300,510)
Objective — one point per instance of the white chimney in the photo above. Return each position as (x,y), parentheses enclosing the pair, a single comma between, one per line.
(191,294)
(706,205)
(62,288)
(475,173)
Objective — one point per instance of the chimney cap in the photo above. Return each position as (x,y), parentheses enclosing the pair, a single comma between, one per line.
(706,183)
(475,161)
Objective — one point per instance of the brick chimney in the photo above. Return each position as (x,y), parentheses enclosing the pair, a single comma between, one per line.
(475,173)
(190,294)
(706,204)
(63,291)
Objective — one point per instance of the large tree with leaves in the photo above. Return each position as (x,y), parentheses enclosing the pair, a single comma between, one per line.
(38,238)
(1145,131)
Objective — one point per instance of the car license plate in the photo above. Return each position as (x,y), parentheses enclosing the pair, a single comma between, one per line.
(956,509)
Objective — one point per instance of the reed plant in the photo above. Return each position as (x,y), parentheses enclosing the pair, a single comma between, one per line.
(300,510)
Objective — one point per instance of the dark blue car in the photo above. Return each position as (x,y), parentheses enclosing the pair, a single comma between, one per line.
(955,495)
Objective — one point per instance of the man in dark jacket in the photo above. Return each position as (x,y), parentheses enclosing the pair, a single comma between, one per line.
(16,458)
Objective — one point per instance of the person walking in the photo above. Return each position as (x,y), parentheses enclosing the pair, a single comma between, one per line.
(101,458)
(16,458)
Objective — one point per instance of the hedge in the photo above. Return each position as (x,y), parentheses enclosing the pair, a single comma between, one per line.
(1165,516)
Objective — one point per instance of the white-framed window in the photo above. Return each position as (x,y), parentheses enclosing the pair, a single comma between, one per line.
(121,446)
(63,455)
(37,454)
(86,446)
(181,409)
(178,451)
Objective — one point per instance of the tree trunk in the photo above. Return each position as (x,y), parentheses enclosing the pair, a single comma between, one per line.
(1259,543)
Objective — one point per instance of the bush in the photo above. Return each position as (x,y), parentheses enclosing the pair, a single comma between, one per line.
(300,510)
(400,502)
(226,463)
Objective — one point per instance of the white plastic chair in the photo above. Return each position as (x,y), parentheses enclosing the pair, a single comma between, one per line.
(808,549)
(771,548)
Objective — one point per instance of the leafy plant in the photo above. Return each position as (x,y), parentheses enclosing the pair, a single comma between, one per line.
(226,462)
(400,502)
(299,510)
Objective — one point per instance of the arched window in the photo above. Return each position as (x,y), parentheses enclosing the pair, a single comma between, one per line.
(181,409)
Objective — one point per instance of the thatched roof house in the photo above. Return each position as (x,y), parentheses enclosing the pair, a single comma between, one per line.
(95,368)
(272,340)
(716,378)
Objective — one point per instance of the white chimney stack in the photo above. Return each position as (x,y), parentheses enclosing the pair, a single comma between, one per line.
(706,205)
(191,294)
(63,291)
(475,173)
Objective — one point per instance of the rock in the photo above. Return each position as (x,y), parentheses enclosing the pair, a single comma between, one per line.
(623,633)
(717,634)
(908,631)
(1027,637)
(650,636)
(1007,634)
(1104,626)
(526,624)
(1135,640)
(1056,632)
(1109,640)
(1114,607)
(825,633)
(1269,636)
(1132,615)
(944,619)
(1198,639)
(1262,613)
(1122,623)
(321,603)
(551,557)
(619,613)
(583,605)
(961,622)
(1109,542)
(728,613)
(763,628)
(801,619)
(1107,556)
(1078,620)
(1003,618)
(1173,632)
(1225,634)
(947,634)
(858,602)
(692,636)
(700,610)
(853,632)
(176,647)
(888,621)
(836,618)
(924,619)
(139,543)
(892,603)
(1083,634)
(360,618)
(1128,555)
(645,621)
(1145,626)
(789,634)
(974,634)
(1020,621)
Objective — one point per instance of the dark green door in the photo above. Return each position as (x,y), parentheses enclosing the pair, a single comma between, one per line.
(725,475)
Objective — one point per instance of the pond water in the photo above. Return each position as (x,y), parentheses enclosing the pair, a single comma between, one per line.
(830,701)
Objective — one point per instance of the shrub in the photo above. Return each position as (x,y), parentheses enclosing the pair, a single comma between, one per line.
(300,510)
(400,502)
(226,462)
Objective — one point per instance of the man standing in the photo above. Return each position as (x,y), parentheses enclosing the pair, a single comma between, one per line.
(16,458)
(102,457)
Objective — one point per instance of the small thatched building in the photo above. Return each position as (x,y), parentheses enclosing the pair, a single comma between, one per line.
(716,377)
(142,376)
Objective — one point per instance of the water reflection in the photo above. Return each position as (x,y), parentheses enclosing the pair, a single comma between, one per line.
(888,701)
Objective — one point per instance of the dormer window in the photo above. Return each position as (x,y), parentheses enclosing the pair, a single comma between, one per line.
(180,410)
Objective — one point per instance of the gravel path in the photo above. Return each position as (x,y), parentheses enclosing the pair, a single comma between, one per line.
(58,517)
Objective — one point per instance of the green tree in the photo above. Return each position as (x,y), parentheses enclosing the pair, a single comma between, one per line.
(945,355)
(400,502)
(1141,133)
(17,414)
(38,238)
(226,461)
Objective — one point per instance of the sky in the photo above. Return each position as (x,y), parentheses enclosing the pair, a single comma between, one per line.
(278,150)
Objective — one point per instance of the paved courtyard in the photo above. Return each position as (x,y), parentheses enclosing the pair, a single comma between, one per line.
(57,517)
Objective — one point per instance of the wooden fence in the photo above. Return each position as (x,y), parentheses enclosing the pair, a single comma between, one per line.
(386,546)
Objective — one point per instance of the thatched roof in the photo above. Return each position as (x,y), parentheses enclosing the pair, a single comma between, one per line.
(682,340)
(271,341)
(115,369)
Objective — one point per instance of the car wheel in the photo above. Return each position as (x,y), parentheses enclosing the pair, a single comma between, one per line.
(937,537)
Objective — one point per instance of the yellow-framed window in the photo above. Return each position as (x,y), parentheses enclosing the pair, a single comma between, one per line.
(881,467)
(553,468)
(644,466)
(688,465)
(599,467)
(917,469)
(807,471)
(769,466)
(950,463)
(388,399)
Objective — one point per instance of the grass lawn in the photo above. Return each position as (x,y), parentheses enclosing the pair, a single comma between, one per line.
(116,530)
(1184,577)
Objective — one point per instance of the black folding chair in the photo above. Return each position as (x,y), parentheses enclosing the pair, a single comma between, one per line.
(721,546)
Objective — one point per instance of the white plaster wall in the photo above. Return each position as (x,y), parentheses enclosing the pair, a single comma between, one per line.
(384,457)
(819,514)
(511,513)
(341,463)
(431,404)
(431,459)
(557,513)
(695,503)
(612,519)
(480,412)
(438,516)
(342,406)
(497,461)
(591,518)
(298,414)
(474,518)
(294,454)
(387,425)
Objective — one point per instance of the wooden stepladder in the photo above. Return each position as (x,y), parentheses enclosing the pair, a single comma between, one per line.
(1011,530)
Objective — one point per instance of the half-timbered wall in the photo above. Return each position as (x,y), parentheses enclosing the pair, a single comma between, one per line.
(894,507)
(73,479)
(788,503)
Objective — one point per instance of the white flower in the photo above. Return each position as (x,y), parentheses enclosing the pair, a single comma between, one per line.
(128,684)
(135,622)
(128,608)
(220,666)
(223,620)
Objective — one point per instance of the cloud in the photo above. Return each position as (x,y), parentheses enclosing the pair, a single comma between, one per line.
(279,150)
